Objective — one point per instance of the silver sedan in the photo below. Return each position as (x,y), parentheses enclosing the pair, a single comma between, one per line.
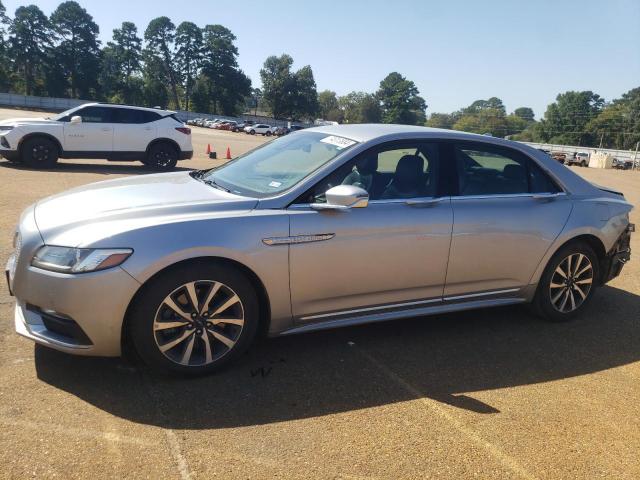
(325,227)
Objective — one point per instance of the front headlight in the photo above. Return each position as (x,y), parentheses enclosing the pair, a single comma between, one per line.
(79,260)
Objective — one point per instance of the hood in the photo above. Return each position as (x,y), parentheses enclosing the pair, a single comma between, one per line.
(136,200)
(29,120)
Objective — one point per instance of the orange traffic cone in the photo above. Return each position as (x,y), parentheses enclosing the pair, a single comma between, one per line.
(228,153)
(208,149)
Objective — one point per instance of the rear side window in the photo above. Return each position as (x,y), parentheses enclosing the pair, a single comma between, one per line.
(486,170)
(131,115)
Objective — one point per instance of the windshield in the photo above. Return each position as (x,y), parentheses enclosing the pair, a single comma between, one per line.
(278,165)
(60,116)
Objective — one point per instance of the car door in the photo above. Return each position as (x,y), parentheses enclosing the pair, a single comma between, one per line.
(134,129)
(94,135)
(390,255)
(507,213)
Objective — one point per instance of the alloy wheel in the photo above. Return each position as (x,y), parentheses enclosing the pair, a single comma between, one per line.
(198,323)
(163,158)
(571,283)
(40,153)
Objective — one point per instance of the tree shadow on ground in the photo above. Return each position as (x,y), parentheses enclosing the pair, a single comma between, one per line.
(444,357)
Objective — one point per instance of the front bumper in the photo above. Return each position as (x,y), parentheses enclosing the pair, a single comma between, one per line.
(49,305)
(81,314)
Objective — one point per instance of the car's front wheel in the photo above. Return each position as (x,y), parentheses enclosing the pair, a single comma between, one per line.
(194,318)
(252,132)
(568,283)
(161,156)
(39,152)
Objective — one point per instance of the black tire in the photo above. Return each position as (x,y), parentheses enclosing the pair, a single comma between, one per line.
(150,302)
(252,132)
(544,301)
(161,156)
(268,134)
(39,152)
(583,163)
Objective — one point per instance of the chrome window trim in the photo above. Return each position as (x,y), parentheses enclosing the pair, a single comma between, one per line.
(298,206)
(505,195)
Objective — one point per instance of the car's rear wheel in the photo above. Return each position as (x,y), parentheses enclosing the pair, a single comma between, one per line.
(268,134)
(39,152)
(161,156)
(568,283)
(195,318)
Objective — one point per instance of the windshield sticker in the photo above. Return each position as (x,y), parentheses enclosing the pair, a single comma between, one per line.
(339,142)
(275,184)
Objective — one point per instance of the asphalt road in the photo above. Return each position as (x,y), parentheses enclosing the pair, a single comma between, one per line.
(486,394)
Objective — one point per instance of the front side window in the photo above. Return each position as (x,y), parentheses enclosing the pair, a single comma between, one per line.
(278,165)
(95,114)
(394,171)
(486,170)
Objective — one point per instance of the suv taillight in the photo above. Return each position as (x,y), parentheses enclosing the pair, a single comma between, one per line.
(185,130)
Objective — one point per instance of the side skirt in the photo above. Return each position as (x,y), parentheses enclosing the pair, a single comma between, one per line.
(433,309)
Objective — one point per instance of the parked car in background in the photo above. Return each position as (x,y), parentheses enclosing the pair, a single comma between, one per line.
(240,126)
(261,128)
(333,226)
(227,125)
(622,164)
(295,128)
(98,130)
(279,131)
(581,159)
(559,156)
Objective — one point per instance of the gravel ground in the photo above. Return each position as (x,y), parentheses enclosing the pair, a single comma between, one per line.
(486,394)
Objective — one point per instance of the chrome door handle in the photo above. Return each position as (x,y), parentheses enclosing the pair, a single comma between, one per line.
(424,202)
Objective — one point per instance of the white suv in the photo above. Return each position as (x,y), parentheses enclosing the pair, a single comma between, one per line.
(259,128)
(98,130)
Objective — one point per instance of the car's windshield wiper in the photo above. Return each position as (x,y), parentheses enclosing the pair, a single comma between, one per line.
(213,183)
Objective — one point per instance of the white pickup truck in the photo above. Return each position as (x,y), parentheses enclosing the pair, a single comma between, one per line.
(98,130)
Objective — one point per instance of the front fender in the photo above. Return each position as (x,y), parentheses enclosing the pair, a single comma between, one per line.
(237,238)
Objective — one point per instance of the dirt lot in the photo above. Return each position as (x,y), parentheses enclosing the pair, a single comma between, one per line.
(486,394)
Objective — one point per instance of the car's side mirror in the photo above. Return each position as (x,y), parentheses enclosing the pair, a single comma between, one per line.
(76,119)
(343,197)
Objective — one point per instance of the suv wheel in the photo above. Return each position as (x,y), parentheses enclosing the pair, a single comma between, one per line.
(161,156)
(39,152)
(567,284)
(195,318)
(252,132)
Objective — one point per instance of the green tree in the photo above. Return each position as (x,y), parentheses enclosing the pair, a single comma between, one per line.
(188,56)
(401,102)
(77,49)
(618,124)
(440,120)
(493,103)
(159,35)
(5,80)
(286,93)
(360,107)
(228,86)
(123,58)
(525,113)
(565,120)
(328,107)
(29,42)
(305,94)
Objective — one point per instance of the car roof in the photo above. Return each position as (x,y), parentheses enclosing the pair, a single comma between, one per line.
(133,107)
(364,132)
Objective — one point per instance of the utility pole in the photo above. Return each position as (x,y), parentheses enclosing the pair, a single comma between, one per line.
(601,137)
(635,156)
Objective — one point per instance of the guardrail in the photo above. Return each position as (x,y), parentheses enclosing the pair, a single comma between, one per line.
(61,104)
(620,154)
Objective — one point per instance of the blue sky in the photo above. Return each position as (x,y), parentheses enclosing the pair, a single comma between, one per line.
(525,52)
